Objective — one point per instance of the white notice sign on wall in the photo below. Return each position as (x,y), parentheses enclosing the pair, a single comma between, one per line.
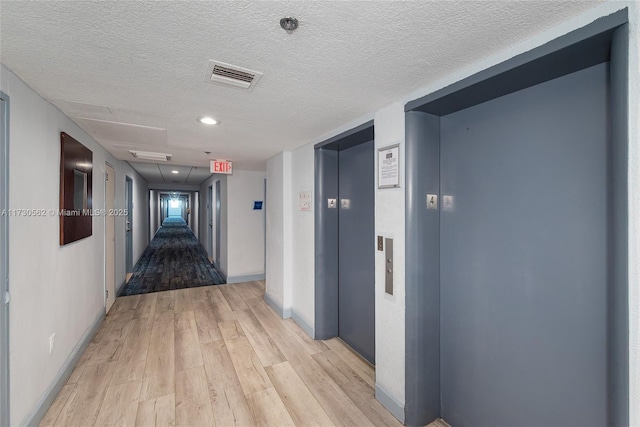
(389,167)
(304,201)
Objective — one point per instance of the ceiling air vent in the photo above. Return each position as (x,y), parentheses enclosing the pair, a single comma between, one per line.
(231,75)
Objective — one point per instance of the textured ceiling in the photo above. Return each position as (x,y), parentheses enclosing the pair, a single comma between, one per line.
(111,64)
(163,173)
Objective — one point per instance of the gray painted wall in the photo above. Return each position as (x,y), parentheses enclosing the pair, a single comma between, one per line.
(4,260)
(619,276)
(326,241)
(524,257)
(326,226)
(422,283)
(356,270)
(592,44)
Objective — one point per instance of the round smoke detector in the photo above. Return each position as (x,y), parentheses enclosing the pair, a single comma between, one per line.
(289,24)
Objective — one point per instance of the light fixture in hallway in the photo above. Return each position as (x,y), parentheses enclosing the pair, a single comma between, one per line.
(175,172)
(208,120)
(147,155)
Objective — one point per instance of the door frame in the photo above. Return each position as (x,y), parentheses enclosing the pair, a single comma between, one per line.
(164,204)
(115,287)
(264,225)
(326,226)
(128,236)
(4,263)
(185,206)
(593,44)
(218,208)
(210,221)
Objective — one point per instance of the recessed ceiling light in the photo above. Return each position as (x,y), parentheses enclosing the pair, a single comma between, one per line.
(175,172)
(208,120)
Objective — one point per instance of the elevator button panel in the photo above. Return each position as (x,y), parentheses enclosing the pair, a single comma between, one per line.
(448,204)
(388,266)
(432,201)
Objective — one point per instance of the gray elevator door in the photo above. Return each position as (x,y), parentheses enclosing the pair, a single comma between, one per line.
(524,257)
(356,311)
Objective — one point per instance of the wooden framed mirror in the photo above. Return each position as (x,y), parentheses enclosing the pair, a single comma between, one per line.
(76,166)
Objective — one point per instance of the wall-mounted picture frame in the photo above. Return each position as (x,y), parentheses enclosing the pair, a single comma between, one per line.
(76,181)
(389,166)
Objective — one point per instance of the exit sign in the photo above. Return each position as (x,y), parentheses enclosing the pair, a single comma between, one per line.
(221,166)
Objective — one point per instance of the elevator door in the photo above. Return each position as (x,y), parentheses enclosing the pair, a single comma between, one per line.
(524,257)
(356,275)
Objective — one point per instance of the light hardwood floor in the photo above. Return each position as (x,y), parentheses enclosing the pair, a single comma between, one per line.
(215,355)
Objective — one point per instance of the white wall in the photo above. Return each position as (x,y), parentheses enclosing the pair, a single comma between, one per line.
(245,226)
(241,227)
(389,129)
(54,289)
(390,309)
(303,247)
(279,231)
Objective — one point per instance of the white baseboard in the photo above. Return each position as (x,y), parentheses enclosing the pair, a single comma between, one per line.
(309,330)
(285,313)
(391,403)
(247,278)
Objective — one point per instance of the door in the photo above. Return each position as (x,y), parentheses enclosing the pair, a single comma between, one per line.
(164,202)
(217,231)
(356,233)
(185,207)
(128,197)
(110,237)
(523,253)
(4,260)
(210,222)
(195,214)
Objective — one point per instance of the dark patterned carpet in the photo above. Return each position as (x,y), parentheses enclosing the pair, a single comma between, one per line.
(173,260)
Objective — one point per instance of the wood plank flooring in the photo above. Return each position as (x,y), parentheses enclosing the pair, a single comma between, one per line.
(214,356)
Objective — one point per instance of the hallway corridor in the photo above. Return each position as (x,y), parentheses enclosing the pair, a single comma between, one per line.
(173,260)
(214,356)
